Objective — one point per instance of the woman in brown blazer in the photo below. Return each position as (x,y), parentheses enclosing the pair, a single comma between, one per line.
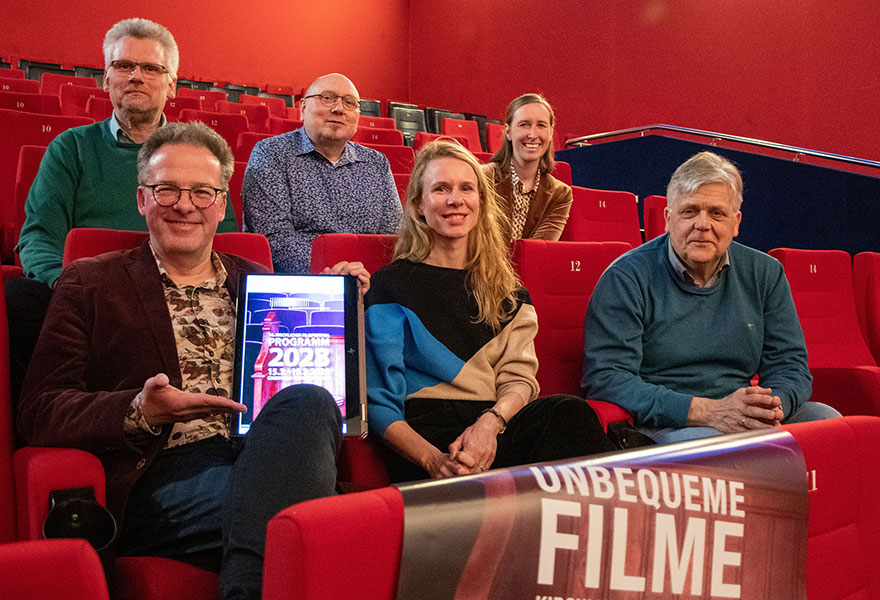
(536,202)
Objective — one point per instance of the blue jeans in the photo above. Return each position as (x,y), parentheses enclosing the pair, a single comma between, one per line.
(216,496)
(808,411)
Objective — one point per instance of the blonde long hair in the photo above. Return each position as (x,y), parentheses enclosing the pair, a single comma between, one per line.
(490,275)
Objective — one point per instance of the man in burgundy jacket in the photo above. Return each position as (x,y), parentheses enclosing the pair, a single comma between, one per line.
(134,364)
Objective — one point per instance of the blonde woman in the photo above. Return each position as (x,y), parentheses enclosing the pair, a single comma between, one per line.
(536,203)
(450,338)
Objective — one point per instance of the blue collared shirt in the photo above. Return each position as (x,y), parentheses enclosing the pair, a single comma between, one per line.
(292,194)
(680,268)
(119,135)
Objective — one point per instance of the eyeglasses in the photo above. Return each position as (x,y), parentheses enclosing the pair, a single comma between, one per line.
(329,99)
(149,70)
(166,194)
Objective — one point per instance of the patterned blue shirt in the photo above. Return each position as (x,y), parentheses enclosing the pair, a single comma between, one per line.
(292,194)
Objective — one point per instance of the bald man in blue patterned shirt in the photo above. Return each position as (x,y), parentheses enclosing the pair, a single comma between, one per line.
(313,180)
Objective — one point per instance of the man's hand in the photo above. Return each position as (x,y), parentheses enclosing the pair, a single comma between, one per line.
(164,403)
(476,446)
(752,407)
(351,268)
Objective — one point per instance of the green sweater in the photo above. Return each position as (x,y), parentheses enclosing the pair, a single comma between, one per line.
(86,179)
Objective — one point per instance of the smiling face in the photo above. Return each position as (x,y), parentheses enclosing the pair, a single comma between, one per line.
(530,132)
(329,124)
(182,233)
(133,94)
(701,227)
(450,200)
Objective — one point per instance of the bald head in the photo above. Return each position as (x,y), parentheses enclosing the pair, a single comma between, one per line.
(330,114)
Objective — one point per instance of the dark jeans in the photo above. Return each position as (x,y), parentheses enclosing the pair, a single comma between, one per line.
(549,428)
(217,496)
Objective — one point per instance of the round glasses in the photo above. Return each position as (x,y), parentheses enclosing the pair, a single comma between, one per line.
(149,70)
(166,194)
(329,99)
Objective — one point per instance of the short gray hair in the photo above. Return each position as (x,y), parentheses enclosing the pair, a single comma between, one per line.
(146,30)
(195,133)
(703,168)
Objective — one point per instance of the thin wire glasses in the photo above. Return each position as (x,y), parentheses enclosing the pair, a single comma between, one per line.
(329,99)
(166,194)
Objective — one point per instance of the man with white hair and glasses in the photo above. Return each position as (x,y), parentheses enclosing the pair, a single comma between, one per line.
(676,328)
(314,180)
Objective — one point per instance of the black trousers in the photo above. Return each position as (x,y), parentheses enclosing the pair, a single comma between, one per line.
(549,428)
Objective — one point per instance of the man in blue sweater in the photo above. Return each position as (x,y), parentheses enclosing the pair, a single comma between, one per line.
(677,327)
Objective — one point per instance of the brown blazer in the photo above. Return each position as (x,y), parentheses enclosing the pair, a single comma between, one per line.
(107,331)
(548,211)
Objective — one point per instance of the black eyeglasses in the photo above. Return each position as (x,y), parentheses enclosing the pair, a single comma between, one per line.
(166,194)
(329,99)
(127,67)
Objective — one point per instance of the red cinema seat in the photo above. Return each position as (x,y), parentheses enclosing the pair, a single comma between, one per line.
(12,73)
(401,158)
(75,97)
(278,126)
(27,86)
(235,190)
(228,126)
(603,216)
(29,158)
(19,129)
(484,157)
(83,241)
(257,114)
(50,83)
(562,171)
(50,569)
(207,98)
(494,136)
(423,137)
(560,277)
(460,128)
(99,108)
(652,216)
(46,104)
(558,141)
(245,144)
(387,137)
(275,106)
(866,279)
(173,106)
(845,374)
(401,181)
(7,441)
(293,112)
(375,122)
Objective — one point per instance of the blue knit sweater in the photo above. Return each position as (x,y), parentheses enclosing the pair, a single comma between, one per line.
(652,342)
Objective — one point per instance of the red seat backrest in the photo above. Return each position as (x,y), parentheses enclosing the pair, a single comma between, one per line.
(376,122)
(75,97)
(560,277)
(401,158)
(603,216)
(257,114)
(463,128)
(99,108)
(423,137)
(562,171)
(401,181)
(652,216)
(372,249)
(388,137)
(12,73)
(245,144)
(29,158)
(278,126)
(275,106)
(173,106)
(822,287)
(47,104)
(50,83)
(228,126)
(27,86)
(235,190)
(19,129)
(866,279)
(47,569)
(82,242)
(208,98)
(494,136)
(7,438)
(483,157)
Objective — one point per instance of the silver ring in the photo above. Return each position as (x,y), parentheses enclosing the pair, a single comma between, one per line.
(482,468)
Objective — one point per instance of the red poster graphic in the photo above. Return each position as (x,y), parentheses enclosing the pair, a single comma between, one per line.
(719,518)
